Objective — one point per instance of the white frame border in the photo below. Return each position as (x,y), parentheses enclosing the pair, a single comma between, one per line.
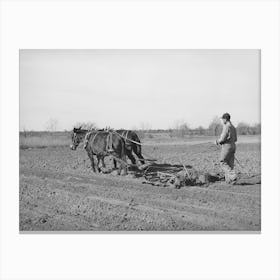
(153,25)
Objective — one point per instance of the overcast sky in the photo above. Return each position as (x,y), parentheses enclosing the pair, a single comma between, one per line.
(133,88)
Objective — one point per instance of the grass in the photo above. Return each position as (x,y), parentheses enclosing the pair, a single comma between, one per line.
(44,140)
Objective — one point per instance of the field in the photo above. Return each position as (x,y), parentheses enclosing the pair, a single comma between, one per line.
(59,192)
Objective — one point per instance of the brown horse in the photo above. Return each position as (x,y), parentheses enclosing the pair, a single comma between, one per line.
(100,143)
(132,144)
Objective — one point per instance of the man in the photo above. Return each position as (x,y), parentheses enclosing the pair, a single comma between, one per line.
(227,141)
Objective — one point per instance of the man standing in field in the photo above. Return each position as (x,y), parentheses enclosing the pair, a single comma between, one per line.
(227,141)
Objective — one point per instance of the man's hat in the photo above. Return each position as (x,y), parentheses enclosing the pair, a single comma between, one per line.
(226,116)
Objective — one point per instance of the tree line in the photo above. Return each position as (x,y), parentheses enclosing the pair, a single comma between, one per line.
(180,129)
(214,129)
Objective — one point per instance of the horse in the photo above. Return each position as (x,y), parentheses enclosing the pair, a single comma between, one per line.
(132,144)
(100,143)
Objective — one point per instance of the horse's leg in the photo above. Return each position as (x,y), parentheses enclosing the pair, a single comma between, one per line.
(102,162)
(118,157)
(98,163)
(137,151)
(123,165)
(130,156)
(115,163)
(91,157)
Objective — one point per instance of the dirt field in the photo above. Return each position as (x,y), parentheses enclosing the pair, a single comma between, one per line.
(59,192)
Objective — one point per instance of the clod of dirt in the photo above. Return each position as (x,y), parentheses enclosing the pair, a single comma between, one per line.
(130,175)
(123,173)
(42,220)
(105,170)
(115,172)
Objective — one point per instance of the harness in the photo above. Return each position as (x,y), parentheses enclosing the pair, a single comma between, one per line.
(109,142)
(123,134)
(127,139)
(126,133)
(109,146)
(87,137)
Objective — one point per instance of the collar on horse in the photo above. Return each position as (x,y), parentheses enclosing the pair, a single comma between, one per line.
(87,137)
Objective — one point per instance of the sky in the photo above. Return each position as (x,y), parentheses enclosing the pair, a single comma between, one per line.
(155,89)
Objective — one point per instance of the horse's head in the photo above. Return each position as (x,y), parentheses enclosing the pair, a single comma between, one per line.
(77,136)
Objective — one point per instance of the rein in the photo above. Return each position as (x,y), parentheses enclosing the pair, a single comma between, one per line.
(125,138)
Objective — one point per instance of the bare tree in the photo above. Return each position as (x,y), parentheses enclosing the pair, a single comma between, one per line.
(257,128)
(51,124)
(201,131)
(243,128)
(181,128)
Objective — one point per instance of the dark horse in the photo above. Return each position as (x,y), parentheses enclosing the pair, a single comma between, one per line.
(132,144)
(100,143)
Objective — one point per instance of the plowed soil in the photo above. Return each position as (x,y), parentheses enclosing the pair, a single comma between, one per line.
(59,192)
